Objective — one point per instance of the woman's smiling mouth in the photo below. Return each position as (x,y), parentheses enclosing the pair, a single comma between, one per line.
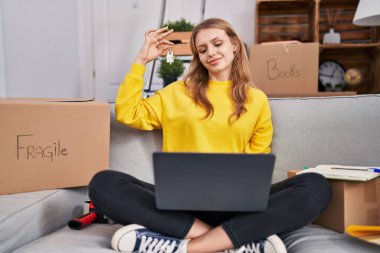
(214,61)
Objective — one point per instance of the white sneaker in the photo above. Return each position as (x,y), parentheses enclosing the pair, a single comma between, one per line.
(135,238)
(273,244)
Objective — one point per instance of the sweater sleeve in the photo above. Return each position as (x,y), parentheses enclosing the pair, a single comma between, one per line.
(131,109)
(263,132)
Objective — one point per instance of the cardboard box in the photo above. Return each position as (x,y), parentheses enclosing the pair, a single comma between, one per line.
(353,203)
(292,173)
(50,144)
(285,68)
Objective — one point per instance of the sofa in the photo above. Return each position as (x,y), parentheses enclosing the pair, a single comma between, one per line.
(307,132)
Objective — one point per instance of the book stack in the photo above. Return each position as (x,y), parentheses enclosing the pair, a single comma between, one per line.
(352,173)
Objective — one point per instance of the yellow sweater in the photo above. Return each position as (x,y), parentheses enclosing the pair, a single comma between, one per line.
(182,123)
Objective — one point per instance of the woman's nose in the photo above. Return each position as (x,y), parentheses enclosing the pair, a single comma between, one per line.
(211,51)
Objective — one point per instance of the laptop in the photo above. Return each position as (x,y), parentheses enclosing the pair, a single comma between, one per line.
(212,181)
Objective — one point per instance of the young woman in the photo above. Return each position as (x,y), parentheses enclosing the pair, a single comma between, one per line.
(215,109)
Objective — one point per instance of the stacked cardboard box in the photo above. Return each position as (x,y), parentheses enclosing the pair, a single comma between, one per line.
(285,68)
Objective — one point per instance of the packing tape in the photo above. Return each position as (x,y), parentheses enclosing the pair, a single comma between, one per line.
(285,48)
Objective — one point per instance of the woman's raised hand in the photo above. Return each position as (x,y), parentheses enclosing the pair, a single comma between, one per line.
(155,44)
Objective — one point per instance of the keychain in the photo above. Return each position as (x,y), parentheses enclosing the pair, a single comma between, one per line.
(170,56)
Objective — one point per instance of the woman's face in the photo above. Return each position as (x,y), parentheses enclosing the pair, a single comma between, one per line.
(216,52)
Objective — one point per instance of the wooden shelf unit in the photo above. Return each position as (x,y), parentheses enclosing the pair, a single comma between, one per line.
(306,21)
(319,94)
(349,45)
(281,20)
(349,32)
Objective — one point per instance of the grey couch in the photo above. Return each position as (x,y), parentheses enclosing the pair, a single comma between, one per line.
(307,132)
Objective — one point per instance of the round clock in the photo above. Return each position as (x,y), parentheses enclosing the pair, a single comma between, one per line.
(331,75)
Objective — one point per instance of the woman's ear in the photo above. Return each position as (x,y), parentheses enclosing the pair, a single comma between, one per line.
(236,45)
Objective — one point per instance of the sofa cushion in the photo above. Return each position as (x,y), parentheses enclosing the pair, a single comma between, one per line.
(131,150)
(94,238)
(315,239)
(25,217)
(325,130)
(97,238)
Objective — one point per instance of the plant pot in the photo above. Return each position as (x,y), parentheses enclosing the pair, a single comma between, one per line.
(169,79)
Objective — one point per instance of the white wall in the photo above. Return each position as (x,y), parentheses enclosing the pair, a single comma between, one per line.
(118,32)
(41,54)
(188,9)
(3,90)
(47,46)
(240,13)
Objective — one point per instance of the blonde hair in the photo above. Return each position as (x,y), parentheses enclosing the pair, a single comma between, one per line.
(197,78)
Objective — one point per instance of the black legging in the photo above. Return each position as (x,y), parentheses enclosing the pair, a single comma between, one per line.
(293,203)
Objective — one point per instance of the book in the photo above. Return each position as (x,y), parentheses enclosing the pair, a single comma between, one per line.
(352,173)
(366,233)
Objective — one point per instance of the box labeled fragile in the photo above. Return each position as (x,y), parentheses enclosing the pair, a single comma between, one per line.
(285,68)
(52,143)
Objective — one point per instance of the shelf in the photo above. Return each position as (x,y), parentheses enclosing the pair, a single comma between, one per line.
(259,1)
(349,46)
(181,50)
(319,94)
(307,21)
(285,20)
(181,45)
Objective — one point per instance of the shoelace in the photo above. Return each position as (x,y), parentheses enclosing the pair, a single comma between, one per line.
(154,245)
(253,248)
(248,248)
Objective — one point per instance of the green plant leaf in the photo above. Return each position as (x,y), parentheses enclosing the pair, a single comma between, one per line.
(175,69)
(181,25)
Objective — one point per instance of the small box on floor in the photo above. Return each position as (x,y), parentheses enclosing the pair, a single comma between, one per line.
(353,203)
(51,143)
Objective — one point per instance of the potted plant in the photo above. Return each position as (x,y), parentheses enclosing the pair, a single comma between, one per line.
(170,72)
(181,25)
